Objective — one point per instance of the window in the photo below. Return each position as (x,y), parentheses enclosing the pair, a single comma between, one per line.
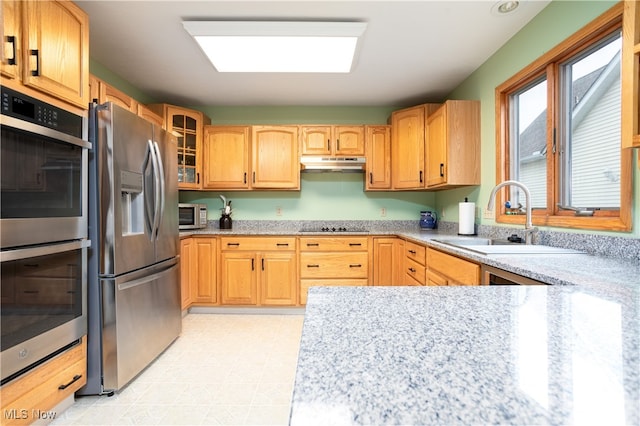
(559,133)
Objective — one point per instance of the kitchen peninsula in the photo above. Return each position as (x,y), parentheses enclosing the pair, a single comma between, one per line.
(469,355)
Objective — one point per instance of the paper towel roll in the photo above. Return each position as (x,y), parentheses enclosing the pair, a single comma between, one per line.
(466,219)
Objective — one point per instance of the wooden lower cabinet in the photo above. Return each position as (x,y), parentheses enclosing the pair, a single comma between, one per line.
(387,264)
(31,397)
(238,279)
(198,271)
(446,269)
(333,261)
(187,268)
(258,271)
(415,264)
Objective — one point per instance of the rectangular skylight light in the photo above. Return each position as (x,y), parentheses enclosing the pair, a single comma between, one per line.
(275,46)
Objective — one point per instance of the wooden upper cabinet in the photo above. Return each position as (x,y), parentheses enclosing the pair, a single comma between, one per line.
(631,75)
(11,39)
(46,48)
(104,92)
(56,54)
(453,145)
(378,149)
(226,157)
(407,145)
(332,140)
(188,125)
(275,160)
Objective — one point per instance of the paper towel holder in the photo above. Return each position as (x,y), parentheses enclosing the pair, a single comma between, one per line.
(468,218)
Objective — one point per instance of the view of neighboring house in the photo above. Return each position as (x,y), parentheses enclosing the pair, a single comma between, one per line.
(595,121)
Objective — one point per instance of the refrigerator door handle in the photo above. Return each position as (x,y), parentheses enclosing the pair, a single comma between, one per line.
(140,281)
(162,188)
(156,201)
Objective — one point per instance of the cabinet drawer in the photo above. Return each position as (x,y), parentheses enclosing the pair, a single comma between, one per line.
(305,284)
(416,252)
(39,389)
(258,244)
(415,270)
(334,265)
(458,271)
(334,243)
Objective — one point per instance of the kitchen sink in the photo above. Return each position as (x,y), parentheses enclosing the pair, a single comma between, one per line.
(490,246)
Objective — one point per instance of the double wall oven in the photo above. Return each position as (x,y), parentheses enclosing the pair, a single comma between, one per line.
(43,231)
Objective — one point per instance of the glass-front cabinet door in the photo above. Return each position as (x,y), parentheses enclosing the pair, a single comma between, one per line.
(187,126)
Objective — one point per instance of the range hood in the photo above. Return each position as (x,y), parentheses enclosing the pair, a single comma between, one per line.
(318,164)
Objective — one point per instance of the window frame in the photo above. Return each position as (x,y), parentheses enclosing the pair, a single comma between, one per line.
(547,66)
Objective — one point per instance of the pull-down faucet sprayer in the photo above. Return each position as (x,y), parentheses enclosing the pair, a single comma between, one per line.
(529,229)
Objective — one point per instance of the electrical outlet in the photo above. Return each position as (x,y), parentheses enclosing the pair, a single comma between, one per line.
(383,212)
(278,211)
(488,214)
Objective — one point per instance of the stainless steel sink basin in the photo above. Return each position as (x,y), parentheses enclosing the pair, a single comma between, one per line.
(490,246)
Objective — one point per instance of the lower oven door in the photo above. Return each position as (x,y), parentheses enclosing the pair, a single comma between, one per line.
(44,304)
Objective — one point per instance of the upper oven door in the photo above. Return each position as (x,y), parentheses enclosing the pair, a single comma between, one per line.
(43,182)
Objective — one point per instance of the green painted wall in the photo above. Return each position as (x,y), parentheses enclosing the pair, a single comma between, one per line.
(323,196)
(103,73)
(552,25)
(341,196)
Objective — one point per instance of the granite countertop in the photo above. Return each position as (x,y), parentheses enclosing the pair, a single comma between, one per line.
(565,269)
(469,355)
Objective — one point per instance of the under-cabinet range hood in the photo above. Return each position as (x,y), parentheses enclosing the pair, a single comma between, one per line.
(318,163)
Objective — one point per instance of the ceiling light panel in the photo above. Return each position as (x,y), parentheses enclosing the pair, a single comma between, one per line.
(250,46)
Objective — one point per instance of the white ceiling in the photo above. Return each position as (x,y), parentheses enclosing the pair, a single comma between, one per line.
(412,51)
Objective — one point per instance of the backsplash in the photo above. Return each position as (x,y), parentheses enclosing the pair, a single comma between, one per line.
(600,245)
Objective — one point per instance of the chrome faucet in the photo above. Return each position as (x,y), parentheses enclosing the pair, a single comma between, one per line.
(529,229)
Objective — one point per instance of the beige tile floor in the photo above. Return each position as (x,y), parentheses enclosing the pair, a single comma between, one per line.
(223,370)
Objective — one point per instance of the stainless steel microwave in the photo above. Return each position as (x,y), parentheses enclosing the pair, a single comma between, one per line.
(192,216)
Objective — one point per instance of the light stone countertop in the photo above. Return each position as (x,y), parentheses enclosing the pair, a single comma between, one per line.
(469,355)
(565,269)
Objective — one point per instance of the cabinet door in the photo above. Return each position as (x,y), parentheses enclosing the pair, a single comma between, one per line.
(187,125)
(378,149)
(11,39)
(187,271)
(349,140)
(316,140)
(437,147)
(238,279)
(407,141)
(204,288)
(56,54)
(278,279)
(386,261)
(276,163)
(226,157)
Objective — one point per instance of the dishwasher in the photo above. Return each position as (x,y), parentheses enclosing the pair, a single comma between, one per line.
(496,276)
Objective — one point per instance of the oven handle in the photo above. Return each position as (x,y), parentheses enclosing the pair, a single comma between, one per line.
(44,250)
(26,126)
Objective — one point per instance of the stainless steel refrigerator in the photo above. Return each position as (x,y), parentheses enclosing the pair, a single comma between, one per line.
(134,309)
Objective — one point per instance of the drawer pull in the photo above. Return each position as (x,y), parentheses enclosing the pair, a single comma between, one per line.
(313,244)
(355,265)
(282,244)
(412,270)
(233,244)
(313,265)
(31,291)
(412,251)
(355,244)
(75,379)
